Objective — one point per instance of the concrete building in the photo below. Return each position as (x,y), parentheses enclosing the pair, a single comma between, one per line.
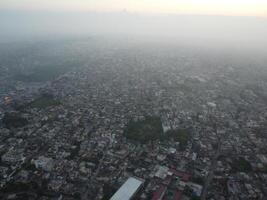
(128,189)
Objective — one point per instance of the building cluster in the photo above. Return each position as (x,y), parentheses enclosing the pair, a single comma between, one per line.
(77,149)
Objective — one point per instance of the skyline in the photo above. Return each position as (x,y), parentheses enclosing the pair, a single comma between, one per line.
(191,7)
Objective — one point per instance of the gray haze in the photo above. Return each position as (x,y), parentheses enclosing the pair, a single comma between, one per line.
(211,31)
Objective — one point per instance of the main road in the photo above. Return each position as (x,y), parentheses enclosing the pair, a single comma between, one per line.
(211,172)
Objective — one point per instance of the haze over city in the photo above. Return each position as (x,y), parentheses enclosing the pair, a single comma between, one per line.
(133,100)
(204,7)
(223,22)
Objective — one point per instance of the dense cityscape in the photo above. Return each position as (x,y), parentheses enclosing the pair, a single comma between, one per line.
(87,119)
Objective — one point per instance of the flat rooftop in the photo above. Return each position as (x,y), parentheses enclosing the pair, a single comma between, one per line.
(128,189)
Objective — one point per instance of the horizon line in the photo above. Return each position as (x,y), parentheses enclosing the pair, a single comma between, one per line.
(125,11)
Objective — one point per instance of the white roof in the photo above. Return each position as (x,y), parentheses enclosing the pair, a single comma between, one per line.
(162,172)
(127,190)
(211,104)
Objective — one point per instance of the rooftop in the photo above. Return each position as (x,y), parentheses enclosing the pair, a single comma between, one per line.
(128,189)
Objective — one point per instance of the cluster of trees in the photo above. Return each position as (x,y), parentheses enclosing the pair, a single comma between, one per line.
(150,129)
(179,135)
(144,130)
(14,120)
(241,165)
(44,101)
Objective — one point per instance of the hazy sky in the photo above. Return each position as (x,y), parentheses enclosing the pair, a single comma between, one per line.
(206,7)
(191,21)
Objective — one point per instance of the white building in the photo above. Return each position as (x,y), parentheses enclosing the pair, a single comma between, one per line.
(128,189)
